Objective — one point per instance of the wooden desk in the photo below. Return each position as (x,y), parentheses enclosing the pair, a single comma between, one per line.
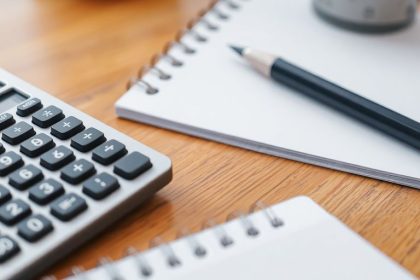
(83,51)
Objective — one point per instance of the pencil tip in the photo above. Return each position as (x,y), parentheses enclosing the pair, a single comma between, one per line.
(238,50)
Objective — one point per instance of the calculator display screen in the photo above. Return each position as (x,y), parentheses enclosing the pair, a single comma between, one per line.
(10,99)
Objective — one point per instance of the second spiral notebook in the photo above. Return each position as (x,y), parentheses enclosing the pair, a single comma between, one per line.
(295,239)
(201,88)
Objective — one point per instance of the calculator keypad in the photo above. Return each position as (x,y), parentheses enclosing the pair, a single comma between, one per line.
(61,173)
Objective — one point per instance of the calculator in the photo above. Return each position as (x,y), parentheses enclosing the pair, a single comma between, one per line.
(64,176)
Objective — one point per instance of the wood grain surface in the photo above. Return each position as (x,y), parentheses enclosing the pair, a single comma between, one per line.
(84,51)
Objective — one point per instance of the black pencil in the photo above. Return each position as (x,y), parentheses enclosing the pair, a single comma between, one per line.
(345,101)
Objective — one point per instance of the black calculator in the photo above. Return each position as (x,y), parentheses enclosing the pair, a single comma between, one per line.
(64,176)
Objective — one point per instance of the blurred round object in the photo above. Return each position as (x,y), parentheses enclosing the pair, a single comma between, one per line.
(368,15)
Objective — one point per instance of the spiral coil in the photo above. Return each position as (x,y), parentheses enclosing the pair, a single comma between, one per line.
(213,9)
(197,249)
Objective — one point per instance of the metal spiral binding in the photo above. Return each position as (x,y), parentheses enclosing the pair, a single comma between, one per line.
(173,261)
(110,268)
(248,225)
(224,239)
(177,42)
(141,263)
(167,251)
(196,247)
(275,221)
(78,273)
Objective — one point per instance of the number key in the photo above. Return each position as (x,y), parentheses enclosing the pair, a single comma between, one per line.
(34,228)
(9,162)
(57,158)
(4,195)
(14,211)
(46,191)
(37,145)
(25,177)
(8,248)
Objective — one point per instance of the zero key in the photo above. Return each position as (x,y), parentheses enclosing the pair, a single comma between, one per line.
(132,165)
(8,248)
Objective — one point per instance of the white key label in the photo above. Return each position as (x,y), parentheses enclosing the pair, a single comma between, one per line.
(26,174)
(6,160)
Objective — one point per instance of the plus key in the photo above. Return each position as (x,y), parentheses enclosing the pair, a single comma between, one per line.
(77,171)
(67,127)
(88,139)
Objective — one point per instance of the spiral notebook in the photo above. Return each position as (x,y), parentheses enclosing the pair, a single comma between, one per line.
(199,87)
(295,239)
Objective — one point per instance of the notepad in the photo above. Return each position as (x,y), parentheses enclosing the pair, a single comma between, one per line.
(213,94)
(295,239)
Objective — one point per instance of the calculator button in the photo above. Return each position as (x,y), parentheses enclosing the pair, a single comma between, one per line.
(46,191)
(4,195)
(100,186)
(2,149)
(29,107)
(9,162)
(6,120)
(67,127)
(77,171)
(87,140)
(25,177)
(57,158)
(132,165)
(48,116)
(14,211)
(109,152)
(37,145)
(17,133)
(68,206)
(8,248)
(34,228)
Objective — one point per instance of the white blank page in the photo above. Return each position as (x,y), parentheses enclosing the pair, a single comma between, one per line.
(217,96)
